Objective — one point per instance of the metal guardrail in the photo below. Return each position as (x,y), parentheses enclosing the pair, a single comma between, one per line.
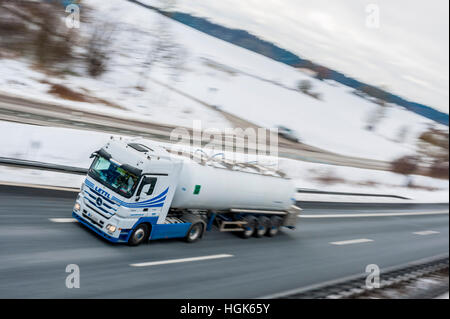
(14,162)
(314,191)
(5,161)
(354,286)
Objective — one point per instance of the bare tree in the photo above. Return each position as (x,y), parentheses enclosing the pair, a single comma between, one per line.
(150,58)
(375,118)
(97,55)
(322,73)
(378,114)
(433,147)
(406,165)
(439,169)
(305,86)
(162,50)
(402,134)
(28,27)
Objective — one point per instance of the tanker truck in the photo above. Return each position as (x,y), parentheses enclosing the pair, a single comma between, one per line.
(136,190)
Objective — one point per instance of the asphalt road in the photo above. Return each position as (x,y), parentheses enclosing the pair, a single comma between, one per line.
(34,252)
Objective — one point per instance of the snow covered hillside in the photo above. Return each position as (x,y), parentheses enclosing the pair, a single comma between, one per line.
(236,80)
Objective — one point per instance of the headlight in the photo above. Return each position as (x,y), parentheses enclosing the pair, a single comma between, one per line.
(111,228)
(76,207)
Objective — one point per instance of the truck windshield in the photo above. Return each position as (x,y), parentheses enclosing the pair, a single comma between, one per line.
(113,176)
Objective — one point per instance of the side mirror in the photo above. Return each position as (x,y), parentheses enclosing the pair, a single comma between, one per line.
(102,153)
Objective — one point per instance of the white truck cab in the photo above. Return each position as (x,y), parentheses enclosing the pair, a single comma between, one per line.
(128,196)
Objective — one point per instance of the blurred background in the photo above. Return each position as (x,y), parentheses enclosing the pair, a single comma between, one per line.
(167,63)
(357,91)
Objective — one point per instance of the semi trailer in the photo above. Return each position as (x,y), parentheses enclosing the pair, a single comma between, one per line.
(136,190)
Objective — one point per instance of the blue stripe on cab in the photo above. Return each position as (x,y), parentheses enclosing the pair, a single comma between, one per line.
(157,201)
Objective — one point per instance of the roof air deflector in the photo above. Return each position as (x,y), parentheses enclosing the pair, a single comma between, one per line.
(139,147)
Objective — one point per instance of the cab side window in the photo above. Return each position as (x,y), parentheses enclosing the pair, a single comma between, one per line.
(147,186)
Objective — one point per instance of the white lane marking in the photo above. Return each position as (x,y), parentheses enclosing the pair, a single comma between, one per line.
(426,232)
(443,212)
(182,260)
(352,241)
(63,220)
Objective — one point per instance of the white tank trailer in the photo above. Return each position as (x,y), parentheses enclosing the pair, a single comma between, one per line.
(224,189)
(137,190)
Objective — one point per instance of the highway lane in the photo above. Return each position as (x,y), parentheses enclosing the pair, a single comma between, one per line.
(35,251)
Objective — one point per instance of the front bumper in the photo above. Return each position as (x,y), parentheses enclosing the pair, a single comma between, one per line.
(123,238)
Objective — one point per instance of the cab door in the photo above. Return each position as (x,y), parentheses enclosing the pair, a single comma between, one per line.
(151,195)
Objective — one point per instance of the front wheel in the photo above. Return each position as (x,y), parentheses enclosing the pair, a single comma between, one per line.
(194,233)
(139,235)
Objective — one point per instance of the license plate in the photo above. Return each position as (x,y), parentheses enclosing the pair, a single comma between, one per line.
(95,219)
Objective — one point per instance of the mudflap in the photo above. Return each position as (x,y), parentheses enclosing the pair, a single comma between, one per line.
(291,218)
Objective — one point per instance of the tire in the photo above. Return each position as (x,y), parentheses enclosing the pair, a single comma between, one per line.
(194,233)
(262,227)
(139,235)
(275,224)
(250,227)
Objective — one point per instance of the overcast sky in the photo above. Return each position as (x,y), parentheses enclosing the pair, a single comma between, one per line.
(408,53)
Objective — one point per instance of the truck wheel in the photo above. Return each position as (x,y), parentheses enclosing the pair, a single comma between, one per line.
(139,235)
(262,227)
(275,224)
(194,233)
(250,227)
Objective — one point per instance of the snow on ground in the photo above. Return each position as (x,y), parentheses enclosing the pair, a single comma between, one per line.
(157,104)
(73,147)
(234,79)
(349,179)
(20,176)
(259,89)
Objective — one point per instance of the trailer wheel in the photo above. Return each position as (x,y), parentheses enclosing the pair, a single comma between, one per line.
(250,227)
(194,233)
(139,235)
(262,227)
(275,224)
